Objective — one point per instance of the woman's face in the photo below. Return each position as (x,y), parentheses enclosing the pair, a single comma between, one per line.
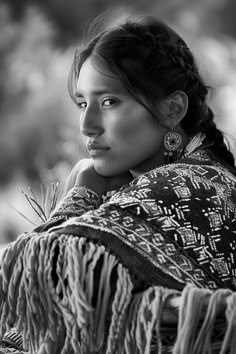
(121,134)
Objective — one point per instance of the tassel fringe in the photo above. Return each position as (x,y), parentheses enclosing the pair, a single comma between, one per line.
(69,295)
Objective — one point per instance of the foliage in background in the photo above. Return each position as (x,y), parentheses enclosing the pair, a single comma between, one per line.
(38,120)
(69,17)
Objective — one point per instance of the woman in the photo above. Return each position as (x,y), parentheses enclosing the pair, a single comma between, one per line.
(152,210)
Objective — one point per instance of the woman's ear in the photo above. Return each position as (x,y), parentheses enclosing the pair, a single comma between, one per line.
(173,108)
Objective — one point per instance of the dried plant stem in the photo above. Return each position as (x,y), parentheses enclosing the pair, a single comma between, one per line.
(21,214)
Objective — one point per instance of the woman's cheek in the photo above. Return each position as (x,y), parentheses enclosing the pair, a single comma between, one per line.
(125,128)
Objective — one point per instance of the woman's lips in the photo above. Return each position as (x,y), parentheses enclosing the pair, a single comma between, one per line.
(97,150)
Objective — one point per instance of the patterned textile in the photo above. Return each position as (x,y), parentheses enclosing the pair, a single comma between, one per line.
(95,278)
(178,218)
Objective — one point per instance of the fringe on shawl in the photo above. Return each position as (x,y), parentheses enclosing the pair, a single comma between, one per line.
(48,289)
(52,290)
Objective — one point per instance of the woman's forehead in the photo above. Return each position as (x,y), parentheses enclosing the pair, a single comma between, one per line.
(96,76)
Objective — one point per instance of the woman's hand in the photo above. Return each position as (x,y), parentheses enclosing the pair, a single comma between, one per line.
(84,174)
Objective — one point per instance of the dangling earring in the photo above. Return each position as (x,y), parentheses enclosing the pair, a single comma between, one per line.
(172,142)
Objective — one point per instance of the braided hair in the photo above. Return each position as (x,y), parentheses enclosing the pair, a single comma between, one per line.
(153,61)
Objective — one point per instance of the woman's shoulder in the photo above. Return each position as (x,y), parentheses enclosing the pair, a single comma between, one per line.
(195,175)
(200,165)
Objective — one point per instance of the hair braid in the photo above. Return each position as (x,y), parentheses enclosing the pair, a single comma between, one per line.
(182,57)
(166,46)
(209,127)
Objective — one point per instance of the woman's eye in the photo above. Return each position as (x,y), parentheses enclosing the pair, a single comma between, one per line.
(82,105)
(108,102)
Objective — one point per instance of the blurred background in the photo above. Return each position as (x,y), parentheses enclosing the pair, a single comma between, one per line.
(39,131)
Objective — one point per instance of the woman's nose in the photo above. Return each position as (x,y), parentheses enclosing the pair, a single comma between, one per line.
(91,122)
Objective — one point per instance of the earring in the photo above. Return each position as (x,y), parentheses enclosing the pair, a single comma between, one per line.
(172,142)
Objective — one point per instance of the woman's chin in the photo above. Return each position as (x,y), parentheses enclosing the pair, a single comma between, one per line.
(103,170)
(107,171)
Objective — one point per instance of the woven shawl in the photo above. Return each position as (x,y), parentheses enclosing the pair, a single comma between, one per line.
(97,277)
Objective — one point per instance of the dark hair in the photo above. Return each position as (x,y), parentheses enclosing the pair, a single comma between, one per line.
(153,61)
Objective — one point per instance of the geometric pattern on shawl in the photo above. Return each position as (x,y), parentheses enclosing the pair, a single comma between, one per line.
(178,219)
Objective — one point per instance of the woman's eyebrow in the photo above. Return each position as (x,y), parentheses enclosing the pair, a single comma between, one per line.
(78,94)
(97,92)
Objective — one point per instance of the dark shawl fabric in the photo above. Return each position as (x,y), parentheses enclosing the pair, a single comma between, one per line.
(97,276)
